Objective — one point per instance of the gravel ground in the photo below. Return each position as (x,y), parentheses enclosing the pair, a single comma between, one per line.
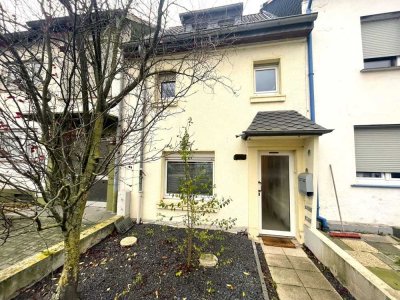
(151,269)
(272,293)
(328,275)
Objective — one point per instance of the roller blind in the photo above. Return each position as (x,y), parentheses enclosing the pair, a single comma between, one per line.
(381,38)
(377,148)
(202,171)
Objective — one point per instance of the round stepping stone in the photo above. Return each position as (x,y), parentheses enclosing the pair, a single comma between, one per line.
(128,241)
(208,260)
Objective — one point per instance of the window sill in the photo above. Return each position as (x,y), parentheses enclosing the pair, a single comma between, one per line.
(380,69)
(171,201)
(262,98)
(161,105)
(371,185)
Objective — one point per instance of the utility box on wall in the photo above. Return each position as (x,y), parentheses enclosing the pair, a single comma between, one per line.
(306,184)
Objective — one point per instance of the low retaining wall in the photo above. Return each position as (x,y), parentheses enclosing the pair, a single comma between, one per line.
(361,283)
(38,266)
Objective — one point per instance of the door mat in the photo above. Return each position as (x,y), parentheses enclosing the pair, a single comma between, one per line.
(278,242)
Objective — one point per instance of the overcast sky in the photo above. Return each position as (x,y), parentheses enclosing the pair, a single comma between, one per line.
(28,9)
(249,6)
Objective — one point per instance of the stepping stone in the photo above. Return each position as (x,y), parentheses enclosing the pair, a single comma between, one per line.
(290,292)
(368,259)
(358,245)
(302,263)
(314,280)
(317,294)
(285,276)
(378,238)
(391,277)
(276,260)
(128,241)
(390,260)
(385,248)
(294,252)
(272,250)
(208,260)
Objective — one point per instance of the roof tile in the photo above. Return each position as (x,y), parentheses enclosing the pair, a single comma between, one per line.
(283,122)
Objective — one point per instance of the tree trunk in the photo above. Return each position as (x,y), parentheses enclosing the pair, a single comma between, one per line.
(68,282)
(189,249)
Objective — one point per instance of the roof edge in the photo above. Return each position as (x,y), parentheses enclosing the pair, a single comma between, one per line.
(311,132)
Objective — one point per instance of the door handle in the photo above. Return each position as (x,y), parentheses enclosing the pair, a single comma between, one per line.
(259,192)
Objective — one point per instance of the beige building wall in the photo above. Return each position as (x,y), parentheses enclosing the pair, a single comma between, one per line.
(219,115)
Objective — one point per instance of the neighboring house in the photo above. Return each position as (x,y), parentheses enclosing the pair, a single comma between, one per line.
(255,144)
(29,42)
(357,73)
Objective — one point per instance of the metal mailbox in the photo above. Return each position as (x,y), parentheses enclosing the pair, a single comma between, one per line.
(306,184)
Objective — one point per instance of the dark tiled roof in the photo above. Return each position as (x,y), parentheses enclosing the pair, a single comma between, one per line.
(259,17)
(283,8)
(246,19)
(282,123)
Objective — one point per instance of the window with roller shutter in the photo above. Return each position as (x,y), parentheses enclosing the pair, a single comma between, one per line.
(381,40)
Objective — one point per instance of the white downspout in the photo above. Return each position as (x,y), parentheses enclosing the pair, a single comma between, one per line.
(141,163)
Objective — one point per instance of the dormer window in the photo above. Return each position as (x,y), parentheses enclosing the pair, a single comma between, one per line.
(200,26)
(226,22)
(215,17)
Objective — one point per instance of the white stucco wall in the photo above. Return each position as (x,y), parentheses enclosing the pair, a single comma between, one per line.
(346,97)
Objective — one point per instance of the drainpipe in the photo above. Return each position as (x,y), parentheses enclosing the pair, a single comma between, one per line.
(117,155)
(141,163)
(322,220)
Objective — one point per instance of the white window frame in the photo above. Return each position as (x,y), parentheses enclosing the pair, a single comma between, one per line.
(385,180)
(161,76)
(260,68)
(196,158)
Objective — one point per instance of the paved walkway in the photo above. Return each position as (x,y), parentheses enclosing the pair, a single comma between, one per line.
(25,241)
(378,253)
(296,276)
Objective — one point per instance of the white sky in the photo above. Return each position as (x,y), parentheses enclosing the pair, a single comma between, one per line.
(249,6)
(27,9)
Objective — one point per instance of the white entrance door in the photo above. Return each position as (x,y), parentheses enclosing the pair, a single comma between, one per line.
(276,194)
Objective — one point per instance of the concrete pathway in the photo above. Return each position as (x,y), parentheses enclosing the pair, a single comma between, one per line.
(296,276)
(25,240)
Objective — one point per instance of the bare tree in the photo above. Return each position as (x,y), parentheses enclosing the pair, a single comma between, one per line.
(82,76)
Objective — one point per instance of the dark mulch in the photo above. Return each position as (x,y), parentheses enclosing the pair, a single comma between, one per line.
(329,276)
(271,287)
(151,269)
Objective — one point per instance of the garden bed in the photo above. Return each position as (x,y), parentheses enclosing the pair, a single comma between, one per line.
(152,269)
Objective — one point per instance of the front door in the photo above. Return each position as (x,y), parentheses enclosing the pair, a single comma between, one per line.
(276,194)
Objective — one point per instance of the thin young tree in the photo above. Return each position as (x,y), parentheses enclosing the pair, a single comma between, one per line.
(83,73)
(197,201)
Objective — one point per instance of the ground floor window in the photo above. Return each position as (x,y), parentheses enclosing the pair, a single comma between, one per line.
(201,168)
(377,152)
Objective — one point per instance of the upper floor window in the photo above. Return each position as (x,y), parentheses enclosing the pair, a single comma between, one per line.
(14,73)
(380,40)
(377,151)
(266,79)
(167,85)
